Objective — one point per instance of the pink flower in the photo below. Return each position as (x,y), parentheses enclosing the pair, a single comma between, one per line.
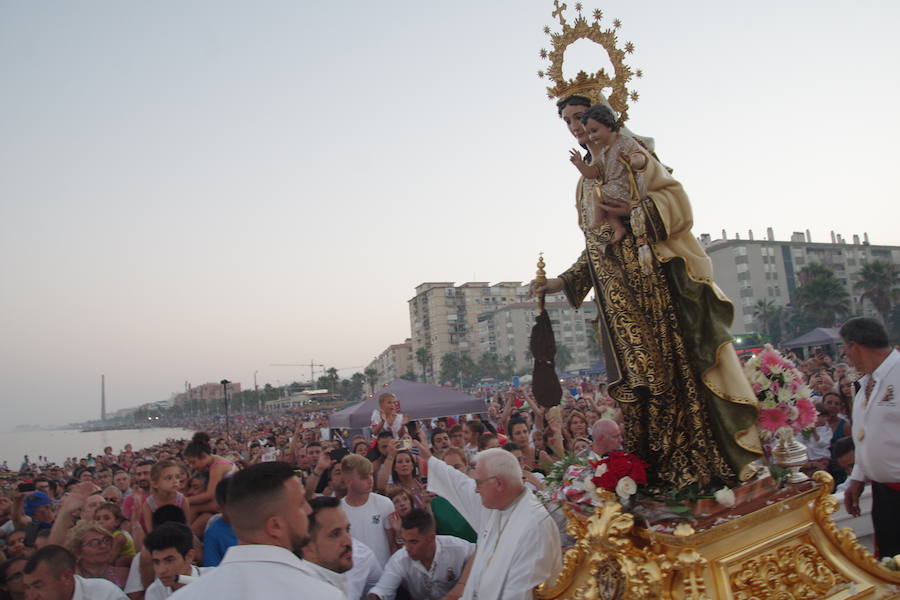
(757,388)
(806,412)
(771,419)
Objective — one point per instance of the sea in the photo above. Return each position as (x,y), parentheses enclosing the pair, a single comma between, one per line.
(58,444)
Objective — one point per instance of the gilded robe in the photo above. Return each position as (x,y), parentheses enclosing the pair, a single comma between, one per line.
(689,410)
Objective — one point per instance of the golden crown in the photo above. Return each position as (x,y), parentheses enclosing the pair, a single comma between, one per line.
(590,86)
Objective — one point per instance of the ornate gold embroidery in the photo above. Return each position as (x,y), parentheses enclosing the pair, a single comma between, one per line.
(662,399)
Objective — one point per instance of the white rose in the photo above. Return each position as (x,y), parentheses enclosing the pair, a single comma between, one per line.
(725,497)
(626,488)
(600,470)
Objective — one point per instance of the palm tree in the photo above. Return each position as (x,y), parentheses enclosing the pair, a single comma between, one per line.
(878,282)
(332,377)
(765,312)
(423,357)
(372,378)
(820,296)
(564,357)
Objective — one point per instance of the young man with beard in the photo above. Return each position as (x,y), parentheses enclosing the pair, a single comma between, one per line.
(429,566)
(50,575)
(139,492)
(333,556)
(268,510)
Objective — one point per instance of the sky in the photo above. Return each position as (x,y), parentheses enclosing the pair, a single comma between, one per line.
(196,190)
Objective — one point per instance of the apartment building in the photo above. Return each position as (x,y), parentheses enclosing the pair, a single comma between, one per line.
(749,270)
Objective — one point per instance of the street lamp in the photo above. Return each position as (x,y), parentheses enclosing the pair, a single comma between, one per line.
(225,383)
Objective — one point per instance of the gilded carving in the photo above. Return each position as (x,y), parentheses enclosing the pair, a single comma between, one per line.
(824,506)
(793,571)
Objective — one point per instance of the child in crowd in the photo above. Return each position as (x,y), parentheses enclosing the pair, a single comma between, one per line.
(818,445)
(165,481)
(387,417)
(110,517)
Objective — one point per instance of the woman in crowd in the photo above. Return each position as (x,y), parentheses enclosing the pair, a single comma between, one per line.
(92,546)
(403,469)
(403,505)
(199,456)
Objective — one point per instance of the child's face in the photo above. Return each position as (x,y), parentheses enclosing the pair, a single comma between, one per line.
(169,480)
(106,519)
(820,419)
(597,132)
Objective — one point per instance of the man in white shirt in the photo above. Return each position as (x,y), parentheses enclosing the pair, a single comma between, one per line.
(333,556)
(50,575)
(270,516)
(876,429)
(518,543)
(368,512)
(171,548)
(430,566)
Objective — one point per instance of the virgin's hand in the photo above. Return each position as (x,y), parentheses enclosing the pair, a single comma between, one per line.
(553,285)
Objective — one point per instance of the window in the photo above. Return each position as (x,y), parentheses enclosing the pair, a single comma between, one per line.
(740,250)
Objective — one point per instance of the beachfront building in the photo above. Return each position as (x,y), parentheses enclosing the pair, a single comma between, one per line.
(393,362)
(749,270)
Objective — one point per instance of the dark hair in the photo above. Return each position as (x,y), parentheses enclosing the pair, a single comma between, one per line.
(511,446)
(314,443)
(573,101)
(436,432)
(842,446)
(412,457)
(866,332)
(418,519)
(5,565)
(602,114)
(168,514)
(145,463)
(199,445)
(170,535)
(251,489)
(514,422)
(56,557)
(221,491)
(317,505)
(476,427)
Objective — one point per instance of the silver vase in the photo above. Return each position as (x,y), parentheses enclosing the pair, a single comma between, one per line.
(791,454)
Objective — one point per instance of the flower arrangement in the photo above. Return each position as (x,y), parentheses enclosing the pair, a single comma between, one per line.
(584,484)
(784,398)
(891,562)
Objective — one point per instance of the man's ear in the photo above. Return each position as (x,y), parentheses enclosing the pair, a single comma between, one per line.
(189,556)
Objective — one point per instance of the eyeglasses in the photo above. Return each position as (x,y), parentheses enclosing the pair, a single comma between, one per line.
(96,542)
(479,482)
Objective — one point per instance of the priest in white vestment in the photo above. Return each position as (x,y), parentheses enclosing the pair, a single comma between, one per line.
(518,542)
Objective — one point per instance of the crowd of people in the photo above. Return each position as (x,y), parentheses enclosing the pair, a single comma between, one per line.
(396,510)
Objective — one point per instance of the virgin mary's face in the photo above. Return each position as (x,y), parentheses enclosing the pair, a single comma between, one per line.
(571,116)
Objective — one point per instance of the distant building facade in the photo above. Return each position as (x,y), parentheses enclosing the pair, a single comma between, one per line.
(207,391)
(394,362)
(476,318)
(506,331)
(750,270)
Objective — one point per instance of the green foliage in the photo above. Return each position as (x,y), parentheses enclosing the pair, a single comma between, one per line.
(424,358)
(878,282)
(460,370)
(821,297)
(564,357)
(371,375)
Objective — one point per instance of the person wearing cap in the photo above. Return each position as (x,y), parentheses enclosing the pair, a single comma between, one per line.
(39,507)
